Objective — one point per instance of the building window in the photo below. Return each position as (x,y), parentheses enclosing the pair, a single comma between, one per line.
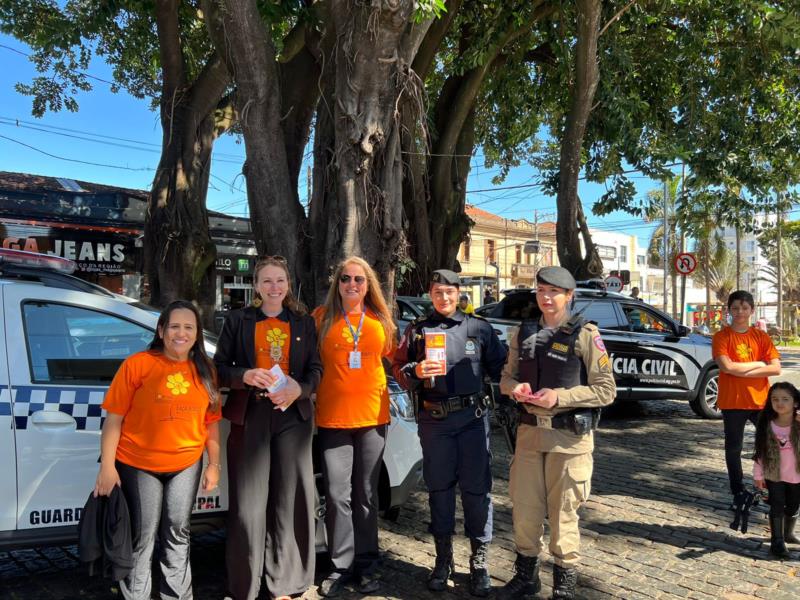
(490,257)
(518,254)
(607,252)
(641,259)
(623,253)
(465,251)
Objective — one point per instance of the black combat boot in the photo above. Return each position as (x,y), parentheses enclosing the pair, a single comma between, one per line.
(444,568)
(526,583)
(777,547)
(564,582)
(788,529)
(479,582)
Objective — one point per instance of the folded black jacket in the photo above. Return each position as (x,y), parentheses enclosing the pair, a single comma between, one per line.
(104,535)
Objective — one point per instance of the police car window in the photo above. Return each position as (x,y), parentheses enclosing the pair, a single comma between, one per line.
(599,312)
(405,312)
(644,321)
(69,344)
(519,305)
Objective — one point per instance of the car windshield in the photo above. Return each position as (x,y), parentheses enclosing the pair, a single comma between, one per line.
(422,304)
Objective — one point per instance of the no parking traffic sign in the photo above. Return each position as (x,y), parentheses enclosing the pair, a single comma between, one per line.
(685,263)
(613,283)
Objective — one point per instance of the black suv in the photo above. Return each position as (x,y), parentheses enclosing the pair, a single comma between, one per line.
(653,356)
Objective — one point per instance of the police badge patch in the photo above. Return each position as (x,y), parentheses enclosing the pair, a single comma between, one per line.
(598,343)
(470,347)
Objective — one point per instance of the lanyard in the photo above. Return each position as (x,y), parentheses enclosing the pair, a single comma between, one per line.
(357,333)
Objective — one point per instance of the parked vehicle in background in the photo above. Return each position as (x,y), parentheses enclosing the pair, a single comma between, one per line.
(64,339)
(653,356)
(408,309)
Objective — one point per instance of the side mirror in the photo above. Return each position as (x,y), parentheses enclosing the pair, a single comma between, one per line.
(683,331)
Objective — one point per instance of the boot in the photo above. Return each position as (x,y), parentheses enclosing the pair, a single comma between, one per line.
(564,582)
(444,567)
(777,547)
(526,583)
(788,530)
(479,582)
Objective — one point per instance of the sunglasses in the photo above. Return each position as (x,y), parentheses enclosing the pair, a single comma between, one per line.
(357,278)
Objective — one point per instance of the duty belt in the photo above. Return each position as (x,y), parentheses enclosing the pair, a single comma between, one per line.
(579,421)
(441,408)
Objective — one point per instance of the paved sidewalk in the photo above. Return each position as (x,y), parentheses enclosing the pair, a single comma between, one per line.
(656,526)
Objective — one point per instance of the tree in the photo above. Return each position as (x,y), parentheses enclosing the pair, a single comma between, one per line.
(159,51)
(719,276)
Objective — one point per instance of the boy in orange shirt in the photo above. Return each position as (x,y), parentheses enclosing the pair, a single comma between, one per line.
(746,357)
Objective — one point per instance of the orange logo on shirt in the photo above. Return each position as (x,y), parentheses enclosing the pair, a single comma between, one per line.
(177,384)
(347,335)
(744,352)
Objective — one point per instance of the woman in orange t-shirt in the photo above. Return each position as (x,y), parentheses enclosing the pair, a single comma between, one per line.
(162,408)
(355,332)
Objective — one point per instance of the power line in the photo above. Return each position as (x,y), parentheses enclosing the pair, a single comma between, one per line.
(75,160)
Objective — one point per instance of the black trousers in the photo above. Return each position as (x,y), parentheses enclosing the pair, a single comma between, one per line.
(271,518)
(351,460)
(784,498)
(734,421)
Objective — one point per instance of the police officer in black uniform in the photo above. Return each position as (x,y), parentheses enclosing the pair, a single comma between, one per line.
(453,424)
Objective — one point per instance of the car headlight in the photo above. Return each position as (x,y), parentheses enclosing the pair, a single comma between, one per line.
(400,406)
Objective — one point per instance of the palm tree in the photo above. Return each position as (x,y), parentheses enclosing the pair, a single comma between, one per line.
(720,276)
(654,211)
(699,216)
(790,275)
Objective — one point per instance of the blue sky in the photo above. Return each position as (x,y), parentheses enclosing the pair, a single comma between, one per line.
(122,137)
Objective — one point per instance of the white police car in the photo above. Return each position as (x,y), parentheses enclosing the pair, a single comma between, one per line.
(653,356)
(63,339)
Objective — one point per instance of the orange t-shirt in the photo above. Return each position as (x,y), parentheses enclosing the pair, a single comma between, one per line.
(350,398)
(746,393)
(166,412)
(273,338)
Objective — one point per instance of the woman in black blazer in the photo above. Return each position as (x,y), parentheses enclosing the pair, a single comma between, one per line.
(270,472)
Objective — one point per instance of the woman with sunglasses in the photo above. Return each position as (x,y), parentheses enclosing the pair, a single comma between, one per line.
(267,356)
(356,331)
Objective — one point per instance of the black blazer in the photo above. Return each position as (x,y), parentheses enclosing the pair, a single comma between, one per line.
(236,353)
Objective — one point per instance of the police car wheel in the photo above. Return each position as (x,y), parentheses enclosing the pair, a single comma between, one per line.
(705,404)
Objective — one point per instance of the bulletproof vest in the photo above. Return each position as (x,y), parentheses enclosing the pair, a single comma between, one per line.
(547,357)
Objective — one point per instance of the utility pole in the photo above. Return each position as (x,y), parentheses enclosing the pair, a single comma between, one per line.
(683,249)
(666,244)
(308,186)
(779,271)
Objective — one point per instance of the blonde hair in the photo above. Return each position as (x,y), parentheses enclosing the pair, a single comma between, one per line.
(374,301)
(289,301)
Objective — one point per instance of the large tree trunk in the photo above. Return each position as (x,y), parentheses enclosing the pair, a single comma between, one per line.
(356,206)
(277,218)
(179,254)
(435,190)
(586,77)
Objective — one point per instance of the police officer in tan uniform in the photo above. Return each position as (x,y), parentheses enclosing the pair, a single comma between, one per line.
(559,373)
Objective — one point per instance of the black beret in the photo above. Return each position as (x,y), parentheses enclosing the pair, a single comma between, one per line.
(557,276)
(446,277)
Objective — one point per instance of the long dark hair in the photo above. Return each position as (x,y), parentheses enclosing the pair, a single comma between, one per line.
(197,354)
(289,301)
(768,414)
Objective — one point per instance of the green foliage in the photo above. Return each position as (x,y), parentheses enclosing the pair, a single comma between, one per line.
(427,9)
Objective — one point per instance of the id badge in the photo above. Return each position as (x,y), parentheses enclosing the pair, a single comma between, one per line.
(355,359)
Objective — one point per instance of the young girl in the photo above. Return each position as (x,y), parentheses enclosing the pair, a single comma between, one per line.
(777,463)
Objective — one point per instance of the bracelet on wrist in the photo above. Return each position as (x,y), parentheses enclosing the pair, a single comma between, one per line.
(219,466)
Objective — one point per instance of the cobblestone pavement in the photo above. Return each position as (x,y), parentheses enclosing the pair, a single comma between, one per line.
(656,526)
